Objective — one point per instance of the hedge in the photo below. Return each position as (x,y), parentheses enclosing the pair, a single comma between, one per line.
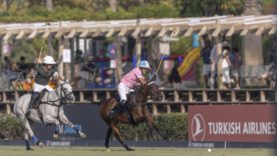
(10,127)
(174,126)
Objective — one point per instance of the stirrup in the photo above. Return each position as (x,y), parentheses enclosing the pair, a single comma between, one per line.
(112,114)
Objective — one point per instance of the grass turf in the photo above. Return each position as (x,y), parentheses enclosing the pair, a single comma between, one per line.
(90,151)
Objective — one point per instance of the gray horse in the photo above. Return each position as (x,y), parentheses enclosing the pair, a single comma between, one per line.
(51,110)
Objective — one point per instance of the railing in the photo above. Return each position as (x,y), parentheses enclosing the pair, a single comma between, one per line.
(174,100)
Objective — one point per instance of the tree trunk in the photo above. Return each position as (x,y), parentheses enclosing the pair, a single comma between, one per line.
(1,54)
(20,4)
(6,4)
(49,5)
(113,5)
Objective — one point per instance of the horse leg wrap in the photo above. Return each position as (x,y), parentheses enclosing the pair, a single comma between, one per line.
(76,129)
(27,145)
(56,130)
(34,139)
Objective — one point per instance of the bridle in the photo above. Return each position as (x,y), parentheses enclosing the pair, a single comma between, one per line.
(150,92)
(62,96)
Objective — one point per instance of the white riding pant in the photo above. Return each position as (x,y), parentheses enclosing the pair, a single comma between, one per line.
(123,90)
(39,88)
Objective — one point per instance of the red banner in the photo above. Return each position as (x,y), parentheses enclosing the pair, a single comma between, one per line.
(238,123)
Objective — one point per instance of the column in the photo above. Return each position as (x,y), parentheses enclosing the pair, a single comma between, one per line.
(60,55)
(252,50)
(219,67)
(1,55)
(118,58)
(138,50)
(72,64)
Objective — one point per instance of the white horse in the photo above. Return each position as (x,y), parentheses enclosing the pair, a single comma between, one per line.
(51,111)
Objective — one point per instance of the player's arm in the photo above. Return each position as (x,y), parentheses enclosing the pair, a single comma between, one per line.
(142,81)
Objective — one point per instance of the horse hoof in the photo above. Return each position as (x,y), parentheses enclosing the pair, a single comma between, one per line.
(83,135)
(130,149)
(109,150)
(40,144)
(29,149)
(55,136)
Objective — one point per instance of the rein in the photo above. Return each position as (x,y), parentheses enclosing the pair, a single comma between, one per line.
(148,84)
(63,99)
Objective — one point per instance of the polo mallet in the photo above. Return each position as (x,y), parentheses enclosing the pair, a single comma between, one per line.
(171,34)
(159,65)
(43,42)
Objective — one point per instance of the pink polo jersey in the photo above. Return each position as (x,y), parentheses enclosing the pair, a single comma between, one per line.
(131,78)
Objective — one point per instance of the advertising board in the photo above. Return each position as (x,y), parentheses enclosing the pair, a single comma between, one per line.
(237,123)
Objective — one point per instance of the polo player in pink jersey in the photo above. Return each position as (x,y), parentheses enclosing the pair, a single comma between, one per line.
(132,78)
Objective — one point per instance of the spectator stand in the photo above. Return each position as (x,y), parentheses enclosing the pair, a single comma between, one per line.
(152,28)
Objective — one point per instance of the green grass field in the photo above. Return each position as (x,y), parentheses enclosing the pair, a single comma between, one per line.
(96,151)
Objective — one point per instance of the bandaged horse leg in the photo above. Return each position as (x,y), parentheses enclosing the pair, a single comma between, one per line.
(119,137)
(26,137)
(107,139)
(31,133)
(150,123)
(50,119)
(56,132)
(65,121)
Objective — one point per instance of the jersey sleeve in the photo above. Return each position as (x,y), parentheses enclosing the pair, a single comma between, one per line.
(138,73)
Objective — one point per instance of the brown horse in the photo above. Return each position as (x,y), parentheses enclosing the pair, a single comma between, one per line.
(137,109)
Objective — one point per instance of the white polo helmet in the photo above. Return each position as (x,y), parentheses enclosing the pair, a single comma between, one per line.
(144,64)
(48,60)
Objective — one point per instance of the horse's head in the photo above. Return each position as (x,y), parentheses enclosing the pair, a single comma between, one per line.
(154,91)
(67,92)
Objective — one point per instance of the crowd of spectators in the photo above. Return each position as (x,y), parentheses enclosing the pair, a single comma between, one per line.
(92,74)
(232,71)
(97,72)
(17,76)
(229,61)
